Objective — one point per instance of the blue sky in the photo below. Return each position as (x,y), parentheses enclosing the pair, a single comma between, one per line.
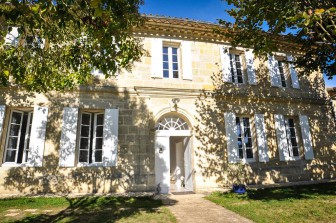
(202,10)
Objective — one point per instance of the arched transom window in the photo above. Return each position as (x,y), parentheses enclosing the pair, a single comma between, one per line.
(172,123)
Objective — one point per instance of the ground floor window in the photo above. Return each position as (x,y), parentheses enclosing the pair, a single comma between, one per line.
(91,137)
(293,147)
(244,135)
(17,142)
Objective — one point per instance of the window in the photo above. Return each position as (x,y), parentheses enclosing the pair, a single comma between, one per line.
(293,147)
(282,74)
(91,138)
(17,143)
(170,61)
(236,69)
(245,150)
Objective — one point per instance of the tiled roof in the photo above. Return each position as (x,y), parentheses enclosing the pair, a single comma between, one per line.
(185,28)
(179,28)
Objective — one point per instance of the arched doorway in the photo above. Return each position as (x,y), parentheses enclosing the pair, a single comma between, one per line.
(173,154)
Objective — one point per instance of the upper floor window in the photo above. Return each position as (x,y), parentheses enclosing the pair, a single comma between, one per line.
(170,62)
(282,73)
(238,65)
(91,137)
(245,149)
(171,59)
(17,142)
(236,69)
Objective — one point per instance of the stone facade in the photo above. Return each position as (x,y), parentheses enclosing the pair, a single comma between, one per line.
(202,100)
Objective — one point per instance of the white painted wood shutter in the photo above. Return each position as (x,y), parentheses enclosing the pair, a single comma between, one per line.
(68,137)
(261,137)
(186,60)
(37,136)
(12,38)
(294,75)
(306,137)
(249,58)
(225,61)
(274,71)
(110,144)
(281,137)
(156,54)
(2,117)
(231,137)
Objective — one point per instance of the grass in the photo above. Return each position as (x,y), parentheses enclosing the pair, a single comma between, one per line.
(310,203)
(84,209)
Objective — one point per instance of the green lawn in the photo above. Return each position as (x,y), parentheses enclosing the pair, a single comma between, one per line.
(84,209)
(313,203)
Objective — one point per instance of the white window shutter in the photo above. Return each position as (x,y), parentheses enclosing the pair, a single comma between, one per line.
(156,54)
(261,137)
(281,137)
(274,71)
(225,61)
(249,58)
(12,38)
(68,137)
(2,117)
(231,137)
(37,136)
(294,75)
(306,137)
(186,60)
(110,145)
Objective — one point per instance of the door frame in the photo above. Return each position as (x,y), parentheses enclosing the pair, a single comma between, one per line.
(164,187)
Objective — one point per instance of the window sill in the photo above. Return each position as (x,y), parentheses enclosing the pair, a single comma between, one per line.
(14,165)
(294,158)
(90,164)
(245,161)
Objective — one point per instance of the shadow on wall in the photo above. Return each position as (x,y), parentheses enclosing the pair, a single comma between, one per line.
(247,100)
(135,166)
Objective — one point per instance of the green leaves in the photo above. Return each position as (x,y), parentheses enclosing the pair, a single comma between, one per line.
(311,25)
(60,42)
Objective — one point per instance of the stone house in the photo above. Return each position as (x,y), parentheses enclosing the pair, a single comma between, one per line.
(194,114)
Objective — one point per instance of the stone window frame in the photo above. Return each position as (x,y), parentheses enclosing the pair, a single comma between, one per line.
(289,136)
(233,66)
(92,138)
(284,75)
(244,158)
(170,46)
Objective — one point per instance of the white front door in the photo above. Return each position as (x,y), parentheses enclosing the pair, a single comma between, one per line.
(187,164)
(162,164)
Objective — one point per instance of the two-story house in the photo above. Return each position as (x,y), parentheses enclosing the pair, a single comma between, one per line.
(194,114)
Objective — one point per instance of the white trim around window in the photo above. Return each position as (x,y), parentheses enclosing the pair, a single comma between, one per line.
(292,139)
(90,147)
(245,139)
(236,68)
(18,136)
(171,61)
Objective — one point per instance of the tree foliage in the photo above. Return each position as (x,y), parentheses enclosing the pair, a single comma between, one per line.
(310,24)
(61,41)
